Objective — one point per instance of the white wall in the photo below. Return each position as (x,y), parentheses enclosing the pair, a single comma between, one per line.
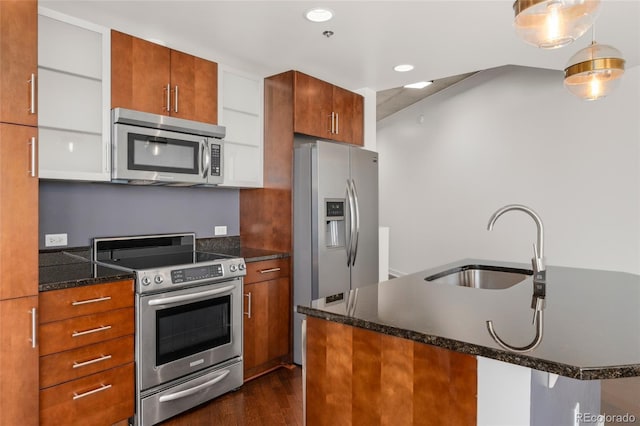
(513,135)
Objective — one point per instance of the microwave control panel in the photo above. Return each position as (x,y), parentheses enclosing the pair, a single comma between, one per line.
(216,159)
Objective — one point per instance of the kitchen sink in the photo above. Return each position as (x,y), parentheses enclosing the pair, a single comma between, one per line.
(481,276)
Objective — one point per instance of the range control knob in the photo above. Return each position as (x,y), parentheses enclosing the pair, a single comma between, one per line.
(158,279)
(241,267)
(233,268)
(146,281)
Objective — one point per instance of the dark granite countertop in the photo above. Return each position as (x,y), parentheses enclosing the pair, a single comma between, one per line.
(231,246)
(591,318)
(72,268)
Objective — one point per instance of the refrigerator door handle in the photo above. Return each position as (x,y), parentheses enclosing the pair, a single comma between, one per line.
(357,222)
(352,223)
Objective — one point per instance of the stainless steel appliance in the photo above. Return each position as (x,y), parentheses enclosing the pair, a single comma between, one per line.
(188,346)
(157,149)
(335,223)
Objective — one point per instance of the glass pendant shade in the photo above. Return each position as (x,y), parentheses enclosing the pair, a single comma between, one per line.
(550,24)
(593,72)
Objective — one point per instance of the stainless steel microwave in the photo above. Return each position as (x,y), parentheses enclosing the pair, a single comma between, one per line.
(161,150)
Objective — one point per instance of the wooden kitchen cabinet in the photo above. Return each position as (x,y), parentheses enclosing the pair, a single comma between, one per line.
(357,376)
(18,212)
(327,111)
(18,61)
(18,362)
(87,354)
(152,78)
(266,316)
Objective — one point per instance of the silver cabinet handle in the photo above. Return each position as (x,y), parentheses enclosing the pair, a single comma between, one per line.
(33,148)
(266,271)
(190,297)
(331,123)
(91,361)
(84,302)
(34,327)
(248,313)
(337,123)
(91,392)
(168,89)
(93,330)
(32,82)
(195,389)
(175,106)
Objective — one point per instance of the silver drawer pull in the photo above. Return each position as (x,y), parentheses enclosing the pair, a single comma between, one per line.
(91,392)
(84,302)
(266,271)
(93,330)
(91,361)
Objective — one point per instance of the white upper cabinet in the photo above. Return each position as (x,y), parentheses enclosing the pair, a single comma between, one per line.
(74,98)
(240,110)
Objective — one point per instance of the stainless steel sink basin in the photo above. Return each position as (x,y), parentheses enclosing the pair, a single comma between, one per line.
(481,276)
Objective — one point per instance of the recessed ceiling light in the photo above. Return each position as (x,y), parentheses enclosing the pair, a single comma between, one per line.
(319,14)
(418,85)
(403,68)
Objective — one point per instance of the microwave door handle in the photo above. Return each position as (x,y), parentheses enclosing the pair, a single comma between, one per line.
(204,158)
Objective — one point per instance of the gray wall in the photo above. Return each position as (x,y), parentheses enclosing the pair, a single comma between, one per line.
(86,210)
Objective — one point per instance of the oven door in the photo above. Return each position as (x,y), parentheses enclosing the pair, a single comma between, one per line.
(151,155)
(181,332)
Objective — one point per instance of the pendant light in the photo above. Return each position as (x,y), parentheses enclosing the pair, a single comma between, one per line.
(550,24)
(593,72)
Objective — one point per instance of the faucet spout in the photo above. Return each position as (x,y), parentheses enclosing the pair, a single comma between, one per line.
(538,247)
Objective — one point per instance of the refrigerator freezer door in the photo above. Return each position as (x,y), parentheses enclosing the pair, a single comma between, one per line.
(364,176)
(330,175)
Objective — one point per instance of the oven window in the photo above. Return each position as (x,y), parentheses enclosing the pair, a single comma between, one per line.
(157,154)
(195,327)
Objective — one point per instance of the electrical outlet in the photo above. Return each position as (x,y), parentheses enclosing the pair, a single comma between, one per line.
(55,240)
(220,230)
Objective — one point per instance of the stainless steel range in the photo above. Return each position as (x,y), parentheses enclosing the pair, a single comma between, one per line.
(188,321)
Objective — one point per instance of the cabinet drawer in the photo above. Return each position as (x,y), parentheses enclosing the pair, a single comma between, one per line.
(267,270)
(99,399)
(69,365)
(73,333)
(73,302)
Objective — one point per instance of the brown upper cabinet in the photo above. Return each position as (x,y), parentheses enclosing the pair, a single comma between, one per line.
(327,111)
(152,78)
(18,62)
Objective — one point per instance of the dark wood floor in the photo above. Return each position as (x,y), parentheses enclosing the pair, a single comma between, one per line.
(273,399)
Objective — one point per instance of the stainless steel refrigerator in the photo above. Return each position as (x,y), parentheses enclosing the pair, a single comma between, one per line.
(335,224)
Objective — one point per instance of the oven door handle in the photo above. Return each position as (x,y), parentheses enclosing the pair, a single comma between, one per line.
(190,297)
(195,389)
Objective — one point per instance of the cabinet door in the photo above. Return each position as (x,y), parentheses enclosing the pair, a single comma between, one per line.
(139,74)
(18,212)
(18,61)
(18,362)
(194,88)
(349,116)
(312,106)
(266,325)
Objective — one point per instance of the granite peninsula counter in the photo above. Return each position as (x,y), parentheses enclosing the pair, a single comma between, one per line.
(591,318)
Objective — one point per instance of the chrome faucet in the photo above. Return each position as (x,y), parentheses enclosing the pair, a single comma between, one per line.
(539,280)
(539,268)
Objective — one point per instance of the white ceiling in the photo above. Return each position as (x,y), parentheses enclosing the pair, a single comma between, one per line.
(441,38)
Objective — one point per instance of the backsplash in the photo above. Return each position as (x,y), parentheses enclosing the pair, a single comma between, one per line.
(87,210)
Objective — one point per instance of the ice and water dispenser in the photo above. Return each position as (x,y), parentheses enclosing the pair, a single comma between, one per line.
(334,217)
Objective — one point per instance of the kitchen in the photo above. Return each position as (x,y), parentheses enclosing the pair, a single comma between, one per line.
(97,204)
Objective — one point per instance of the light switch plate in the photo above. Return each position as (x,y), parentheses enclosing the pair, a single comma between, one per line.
(55,240)
(220,230)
